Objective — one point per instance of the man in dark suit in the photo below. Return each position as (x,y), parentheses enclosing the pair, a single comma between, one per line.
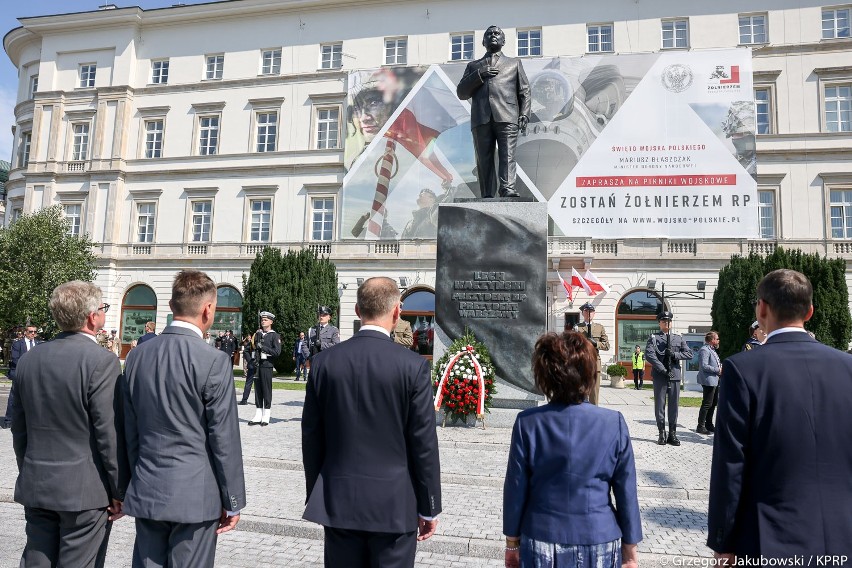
(368,441)
(66,431)
(500,108)
(779,482)
(301,352)
(19,347)
(183,436)
(150,333)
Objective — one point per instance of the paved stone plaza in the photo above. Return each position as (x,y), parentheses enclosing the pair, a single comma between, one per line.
(673,486)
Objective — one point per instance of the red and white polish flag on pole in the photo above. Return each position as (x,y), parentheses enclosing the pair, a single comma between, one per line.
(566,286)
(577,281)
(595,284)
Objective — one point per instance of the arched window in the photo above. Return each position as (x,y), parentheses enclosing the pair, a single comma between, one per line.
(138,307)
(418,309)
(229,311)
(635,321)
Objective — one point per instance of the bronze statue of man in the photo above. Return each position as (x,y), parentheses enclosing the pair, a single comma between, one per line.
(500,108)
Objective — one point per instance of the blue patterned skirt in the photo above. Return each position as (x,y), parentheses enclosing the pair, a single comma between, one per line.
(539,554)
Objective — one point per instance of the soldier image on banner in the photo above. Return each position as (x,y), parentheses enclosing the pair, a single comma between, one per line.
(664,351)
(595,333)
(323,335)
(267,346)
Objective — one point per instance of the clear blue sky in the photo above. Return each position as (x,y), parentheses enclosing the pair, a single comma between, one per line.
(9,20)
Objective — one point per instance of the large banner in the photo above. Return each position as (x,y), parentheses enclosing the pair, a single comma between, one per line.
(619,146)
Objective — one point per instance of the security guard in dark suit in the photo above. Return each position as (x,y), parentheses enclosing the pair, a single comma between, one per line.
(595,333)
(323,335)
(664,352)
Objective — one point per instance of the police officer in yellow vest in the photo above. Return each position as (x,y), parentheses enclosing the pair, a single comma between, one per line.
(638,367)
(595,333)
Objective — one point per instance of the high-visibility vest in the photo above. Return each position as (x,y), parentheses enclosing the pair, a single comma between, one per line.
(638,360)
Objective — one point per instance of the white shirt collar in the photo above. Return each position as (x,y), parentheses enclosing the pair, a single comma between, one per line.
(187,325)
(369,327)
(89,335)
(786,330)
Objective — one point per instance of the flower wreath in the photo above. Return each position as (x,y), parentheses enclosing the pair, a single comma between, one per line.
(463,379)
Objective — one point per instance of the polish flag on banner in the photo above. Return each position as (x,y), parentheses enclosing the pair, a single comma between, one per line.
(595,284)
(566,286)
(580,282)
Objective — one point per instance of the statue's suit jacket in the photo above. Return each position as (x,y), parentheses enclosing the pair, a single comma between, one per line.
(782,461)
(182,429)
(502,98)
(369,444)
(66,426)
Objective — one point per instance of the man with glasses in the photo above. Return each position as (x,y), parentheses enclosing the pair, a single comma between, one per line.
(19,348)
(68,437)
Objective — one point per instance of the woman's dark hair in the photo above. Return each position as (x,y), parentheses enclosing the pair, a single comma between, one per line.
(565,366)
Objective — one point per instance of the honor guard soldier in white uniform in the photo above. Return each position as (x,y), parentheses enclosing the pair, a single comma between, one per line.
(323,335)
(664,352)
(267,346)
(595,333)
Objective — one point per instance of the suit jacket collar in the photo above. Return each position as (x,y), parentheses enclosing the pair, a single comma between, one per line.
(175,330)
(791,336)
(371,333)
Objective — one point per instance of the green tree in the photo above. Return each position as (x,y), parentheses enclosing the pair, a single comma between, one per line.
(37,253)
(732,310)
(291,286)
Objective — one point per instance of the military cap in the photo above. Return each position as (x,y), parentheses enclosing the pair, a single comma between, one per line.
(665,315)
(323,311)
(268,315)
(587,306)
(754,326)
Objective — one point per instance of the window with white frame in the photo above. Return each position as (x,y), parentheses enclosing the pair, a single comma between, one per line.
(208,135)
(261,219)
(841,213)
(331,56)
(838,108)
(529,42)
(267,131)
(80,141)
(396,50)
(146,217)
(675,34)
(24,149)
(202,219)
(328,128)
(461,47)
(323,218)
(215,66)
(766,213)
(154,138)
(73,214)
(753,29)
(15,214)
(87,75)
(270,62)
(835,23)
(160,72)
(600,38)
(33,89)
(763,109)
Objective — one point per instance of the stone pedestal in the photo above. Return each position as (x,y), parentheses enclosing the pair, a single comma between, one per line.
(491,277)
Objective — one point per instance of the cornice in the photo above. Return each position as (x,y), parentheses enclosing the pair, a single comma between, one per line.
(145,193)
(832,178)
(269,102)
(333,187)
(843,72)
(259,81)
(766,76)
(326,98)
(801,48)
(197,192)
(215,106)
(771,179)
(146,112)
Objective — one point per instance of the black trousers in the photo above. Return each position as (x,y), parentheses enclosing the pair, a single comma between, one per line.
(505,136)
(63,538)
(7,418)
(162,544)
(362,549)
(263,388)
(708,405)
(250,373)
(638,377)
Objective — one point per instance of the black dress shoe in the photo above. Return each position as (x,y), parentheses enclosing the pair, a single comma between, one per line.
(702,430)
(673,441)
(242,403)
(509,193)
(253,423)
(264,423)
(662,439)
(710,428)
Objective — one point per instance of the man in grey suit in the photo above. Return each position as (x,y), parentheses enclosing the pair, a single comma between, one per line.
(500,107)
(183,436)
(66,430)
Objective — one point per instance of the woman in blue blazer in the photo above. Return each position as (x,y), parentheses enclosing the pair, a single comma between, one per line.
(565,458)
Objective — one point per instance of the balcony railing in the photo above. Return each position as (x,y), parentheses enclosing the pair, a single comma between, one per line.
(75,166)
